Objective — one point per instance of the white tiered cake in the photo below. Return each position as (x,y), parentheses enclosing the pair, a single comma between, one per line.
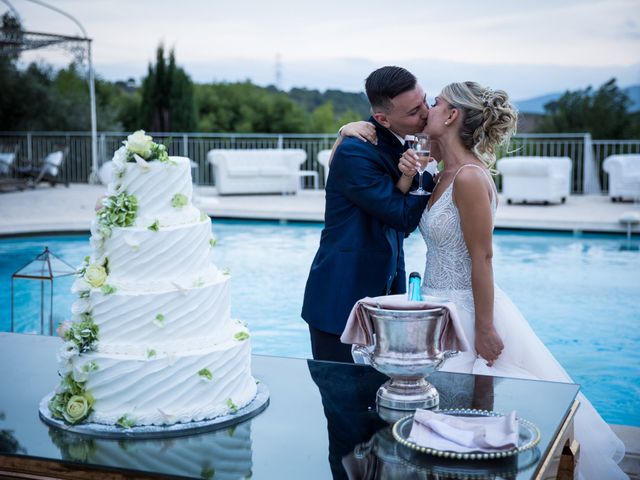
(151,341)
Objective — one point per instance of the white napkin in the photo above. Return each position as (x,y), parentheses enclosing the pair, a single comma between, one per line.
(464,434)
(359,330)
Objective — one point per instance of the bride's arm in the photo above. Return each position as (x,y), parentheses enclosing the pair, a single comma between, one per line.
(473,200)
(365,131)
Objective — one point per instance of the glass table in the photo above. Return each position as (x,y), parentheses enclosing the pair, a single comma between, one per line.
(321,423)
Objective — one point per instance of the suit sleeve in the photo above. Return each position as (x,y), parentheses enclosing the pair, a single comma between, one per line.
(360,176)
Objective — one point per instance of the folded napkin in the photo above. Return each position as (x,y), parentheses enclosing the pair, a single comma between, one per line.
(464,434)
(359,330)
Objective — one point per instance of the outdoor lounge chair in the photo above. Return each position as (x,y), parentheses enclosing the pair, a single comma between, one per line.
(49,171)
(8,182)
(624,176)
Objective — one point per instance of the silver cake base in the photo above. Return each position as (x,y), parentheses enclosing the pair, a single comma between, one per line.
(253,408)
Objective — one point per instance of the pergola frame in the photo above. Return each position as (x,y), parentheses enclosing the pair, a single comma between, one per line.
(17,41)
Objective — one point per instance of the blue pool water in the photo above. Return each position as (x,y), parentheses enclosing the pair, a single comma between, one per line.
(581,294)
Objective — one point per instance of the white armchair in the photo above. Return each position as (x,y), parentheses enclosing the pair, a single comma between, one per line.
(323,159)
(535,179)
(624,176)
(257,171)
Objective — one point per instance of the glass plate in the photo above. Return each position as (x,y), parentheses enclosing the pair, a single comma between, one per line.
(529,436)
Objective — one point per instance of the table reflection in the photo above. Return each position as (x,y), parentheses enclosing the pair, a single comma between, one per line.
(223,454)
(361,443)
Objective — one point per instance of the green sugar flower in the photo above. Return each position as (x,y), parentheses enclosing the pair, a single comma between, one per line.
(179,200)
(159,320)
(155,226)
(208,473)
(108,289)
(89,367)
(205,374)
(125,421)
(232,406)
(118,211)
(84,333)
(76,409)
(240,336)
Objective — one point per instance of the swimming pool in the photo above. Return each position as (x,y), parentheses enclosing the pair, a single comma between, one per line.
(581,294)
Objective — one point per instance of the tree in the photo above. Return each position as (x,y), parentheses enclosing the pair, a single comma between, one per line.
(168,103)
(246,108)
(603,113)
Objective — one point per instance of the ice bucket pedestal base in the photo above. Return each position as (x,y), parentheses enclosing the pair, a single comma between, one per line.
(407,394)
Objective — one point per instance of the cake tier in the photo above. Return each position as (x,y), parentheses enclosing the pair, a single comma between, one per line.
(224,454)
(164,390)
(178,254)
(155,185)
(129,321)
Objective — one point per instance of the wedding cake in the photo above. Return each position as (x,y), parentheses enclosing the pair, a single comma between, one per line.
(151,340)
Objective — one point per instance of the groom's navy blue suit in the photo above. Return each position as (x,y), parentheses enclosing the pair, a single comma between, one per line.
(366,221)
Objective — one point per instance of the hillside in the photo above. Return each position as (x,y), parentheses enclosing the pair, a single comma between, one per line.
(536,104)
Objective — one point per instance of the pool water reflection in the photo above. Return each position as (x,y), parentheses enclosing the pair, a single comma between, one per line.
(581,295)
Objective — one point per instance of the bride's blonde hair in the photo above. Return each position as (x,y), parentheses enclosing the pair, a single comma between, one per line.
(488,118)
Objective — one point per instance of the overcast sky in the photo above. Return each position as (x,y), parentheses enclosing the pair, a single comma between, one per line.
(528,47)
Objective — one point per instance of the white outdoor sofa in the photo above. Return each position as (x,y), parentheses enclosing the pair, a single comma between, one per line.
(323,159)
(624,176)
(535,179)
(258,171)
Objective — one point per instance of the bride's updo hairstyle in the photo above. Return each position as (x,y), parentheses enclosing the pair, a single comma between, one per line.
(488,118)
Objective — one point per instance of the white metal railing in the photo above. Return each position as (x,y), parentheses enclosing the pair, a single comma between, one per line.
(587,154)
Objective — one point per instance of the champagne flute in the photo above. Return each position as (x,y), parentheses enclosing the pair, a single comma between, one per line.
(422,148)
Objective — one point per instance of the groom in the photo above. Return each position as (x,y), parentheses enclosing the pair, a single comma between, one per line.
(366,216)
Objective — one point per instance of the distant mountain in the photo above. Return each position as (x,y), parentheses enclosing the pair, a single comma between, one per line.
(536,104)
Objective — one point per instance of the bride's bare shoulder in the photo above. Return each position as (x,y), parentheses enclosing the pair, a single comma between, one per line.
(470,184)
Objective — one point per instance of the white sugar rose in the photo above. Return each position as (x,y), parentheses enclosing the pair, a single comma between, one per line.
(76,409)
(119,161)
(80,306)
(79,374)
(80,285)
(68,350)
(95,275)
(139,143)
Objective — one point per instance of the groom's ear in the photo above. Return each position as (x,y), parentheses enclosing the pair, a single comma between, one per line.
(381,118)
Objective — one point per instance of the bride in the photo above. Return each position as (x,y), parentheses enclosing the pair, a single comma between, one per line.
(465,125)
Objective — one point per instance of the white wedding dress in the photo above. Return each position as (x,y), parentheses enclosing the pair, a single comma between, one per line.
(448,275)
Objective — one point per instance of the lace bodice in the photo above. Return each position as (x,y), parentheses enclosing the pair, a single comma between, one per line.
(448,265)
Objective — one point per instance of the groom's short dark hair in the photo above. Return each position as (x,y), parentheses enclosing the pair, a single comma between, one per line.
(386,83)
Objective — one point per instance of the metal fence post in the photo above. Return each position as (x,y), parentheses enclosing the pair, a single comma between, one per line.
(590,184)
(29,148)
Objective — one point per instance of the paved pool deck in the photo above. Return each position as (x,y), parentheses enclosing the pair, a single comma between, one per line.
(60,209)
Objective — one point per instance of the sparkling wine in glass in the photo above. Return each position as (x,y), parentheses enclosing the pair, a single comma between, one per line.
(422,148)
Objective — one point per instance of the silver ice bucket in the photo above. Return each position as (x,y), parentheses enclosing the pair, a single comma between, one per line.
(407,349)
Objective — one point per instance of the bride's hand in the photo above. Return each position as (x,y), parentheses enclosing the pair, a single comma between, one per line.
(365,131)
(488,344)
